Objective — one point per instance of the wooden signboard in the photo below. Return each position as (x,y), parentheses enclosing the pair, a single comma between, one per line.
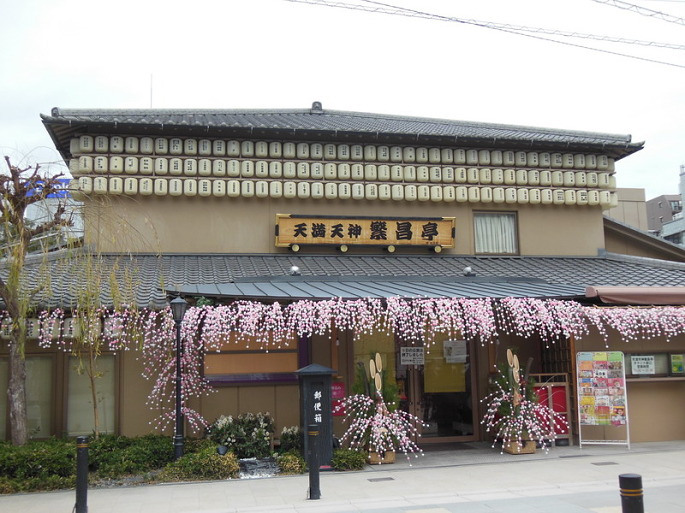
(370,231)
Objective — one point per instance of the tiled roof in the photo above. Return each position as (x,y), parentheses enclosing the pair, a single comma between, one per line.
(316,124)
(150,275)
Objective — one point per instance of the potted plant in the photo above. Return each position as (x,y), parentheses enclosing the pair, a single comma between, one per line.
(514,414)
(376,426)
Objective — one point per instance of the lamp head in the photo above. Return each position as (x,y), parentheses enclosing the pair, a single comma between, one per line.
(178,308)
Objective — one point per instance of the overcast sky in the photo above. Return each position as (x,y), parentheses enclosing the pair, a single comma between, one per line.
(280,54)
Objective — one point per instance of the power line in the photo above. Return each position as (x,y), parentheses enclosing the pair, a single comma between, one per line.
(538,30)
(643,11)
(381,8)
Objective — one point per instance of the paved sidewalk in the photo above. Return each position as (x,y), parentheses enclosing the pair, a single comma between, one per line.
(471,479)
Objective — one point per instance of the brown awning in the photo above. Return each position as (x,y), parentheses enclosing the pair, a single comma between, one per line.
(638,295)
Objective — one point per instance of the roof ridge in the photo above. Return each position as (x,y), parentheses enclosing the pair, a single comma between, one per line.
(656,262)
(58,112)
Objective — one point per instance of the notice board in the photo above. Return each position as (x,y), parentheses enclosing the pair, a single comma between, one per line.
(602,397)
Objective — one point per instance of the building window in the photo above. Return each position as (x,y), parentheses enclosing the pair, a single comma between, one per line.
(645,365)
(245,362)
(80,413)
(3,398)
(39,396)
(495,233)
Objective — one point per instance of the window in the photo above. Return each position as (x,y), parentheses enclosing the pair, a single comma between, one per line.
(495,233)
(242,362)
(39,396)
(3,398)
(645,365)
(80,415)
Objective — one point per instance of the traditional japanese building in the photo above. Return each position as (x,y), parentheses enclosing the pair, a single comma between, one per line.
(283,206)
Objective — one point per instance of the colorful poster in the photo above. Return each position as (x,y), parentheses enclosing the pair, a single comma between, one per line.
(677,364)
(601,388)
(337,395)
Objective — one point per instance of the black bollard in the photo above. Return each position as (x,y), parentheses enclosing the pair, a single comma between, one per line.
(313,461)
(631,493)
(81,475)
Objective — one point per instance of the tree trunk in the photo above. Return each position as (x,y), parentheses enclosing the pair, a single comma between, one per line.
(16,396)
(92,373)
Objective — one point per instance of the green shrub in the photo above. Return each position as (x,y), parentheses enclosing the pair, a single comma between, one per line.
(248,435)
(291,463)
(292,438)
(38,459)
(201,465)
(51,464)
(114,456)
(197,445)
(44,465)
(348,459)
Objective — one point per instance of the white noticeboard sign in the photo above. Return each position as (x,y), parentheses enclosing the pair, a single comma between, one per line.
(642,364)
(411,356)
(454,351)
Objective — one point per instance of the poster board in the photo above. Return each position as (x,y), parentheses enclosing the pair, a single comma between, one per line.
(602,397)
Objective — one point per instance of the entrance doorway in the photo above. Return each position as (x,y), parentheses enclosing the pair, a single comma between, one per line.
(437,383)
(438,386)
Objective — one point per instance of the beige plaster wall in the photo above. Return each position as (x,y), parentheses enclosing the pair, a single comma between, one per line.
(654,405)
(246,225)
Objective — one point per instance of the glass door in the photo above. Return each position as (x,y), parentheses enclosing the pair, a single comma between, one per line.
(438,387)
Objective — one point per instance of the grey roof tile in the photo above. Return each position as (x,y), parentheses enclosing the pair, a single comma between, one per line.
(150,273)
(62,124)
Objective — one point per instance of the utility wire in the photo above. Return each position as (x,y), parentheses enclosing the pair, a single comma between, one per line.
(538,30)
(644,11)
(381,8)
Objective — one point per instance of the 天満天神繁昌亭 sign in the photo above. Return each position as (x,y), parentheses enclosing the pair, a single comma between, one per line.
(380,231)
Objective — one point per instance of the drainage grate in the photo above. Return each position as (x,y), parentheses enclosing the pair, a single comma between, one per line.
(602,463)
(378,479)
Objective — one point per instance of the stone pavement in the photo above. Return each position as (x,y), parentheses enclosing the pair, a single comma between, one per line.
(464,478)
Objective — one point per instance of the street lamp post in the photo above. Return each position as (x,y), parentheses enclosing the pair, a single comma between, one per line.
(178,310)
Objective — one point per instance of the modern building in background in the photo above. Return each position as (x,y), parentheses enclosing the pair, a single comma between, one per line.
(663,209)
(672,223)
(630,209)
(44,211)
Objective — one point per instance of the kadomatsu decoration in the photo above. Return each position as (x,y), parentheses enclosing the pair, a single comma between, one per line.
(514,414)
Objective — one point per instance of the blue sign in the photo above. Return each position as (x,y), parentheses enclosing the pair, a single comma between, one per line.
(62,186)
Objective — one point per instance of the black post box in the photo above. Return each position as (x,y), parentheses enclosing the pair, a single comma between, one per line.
(315,408)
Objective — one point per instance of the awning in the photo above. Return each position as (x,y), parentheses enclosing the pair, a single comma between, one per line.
(293,288)
(638,295)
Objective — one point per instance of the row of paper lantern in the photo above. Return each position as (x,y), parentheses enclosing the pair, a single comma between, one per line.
(70,328)
(319,171)
(318,190)
(87,144)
